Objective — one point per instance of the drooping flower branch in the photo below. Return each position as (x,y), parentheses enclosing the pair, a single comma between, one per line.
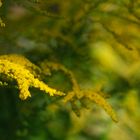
(11,67)
(77,93)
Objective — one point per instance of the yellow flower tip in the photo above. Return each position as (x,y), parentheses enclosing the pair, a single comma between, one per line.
(24,92)
(22,97)
(56,93)
(112,114)
(98,99)
(115,118)
(60,93)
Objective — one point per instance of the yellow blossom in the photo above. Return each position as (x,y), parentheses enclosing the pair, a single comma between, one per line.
(24,62)
(25,73)
(77,93)
(25,79)
(98,99)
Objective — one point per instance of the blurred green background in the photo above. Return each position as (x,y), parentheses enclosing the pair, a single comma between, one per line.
(99,40)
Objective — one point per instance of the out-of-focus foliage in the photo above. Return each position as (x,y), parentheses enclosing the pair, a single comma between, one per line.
(1,22)
(98,41)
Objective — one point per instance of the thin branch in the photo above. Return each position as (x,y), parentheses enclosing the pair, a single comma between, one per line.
(116,37)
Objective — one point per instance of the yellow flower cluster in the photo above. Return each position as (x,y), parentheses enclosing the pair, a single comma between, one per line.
(26,74)
(24,62)
(24,78)
(92,96)
(98,99)
(77,93)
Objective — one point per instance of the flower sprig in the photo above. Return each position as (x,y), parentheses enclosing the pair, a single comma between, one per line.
(24,77)
(76,94)
(25,73)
